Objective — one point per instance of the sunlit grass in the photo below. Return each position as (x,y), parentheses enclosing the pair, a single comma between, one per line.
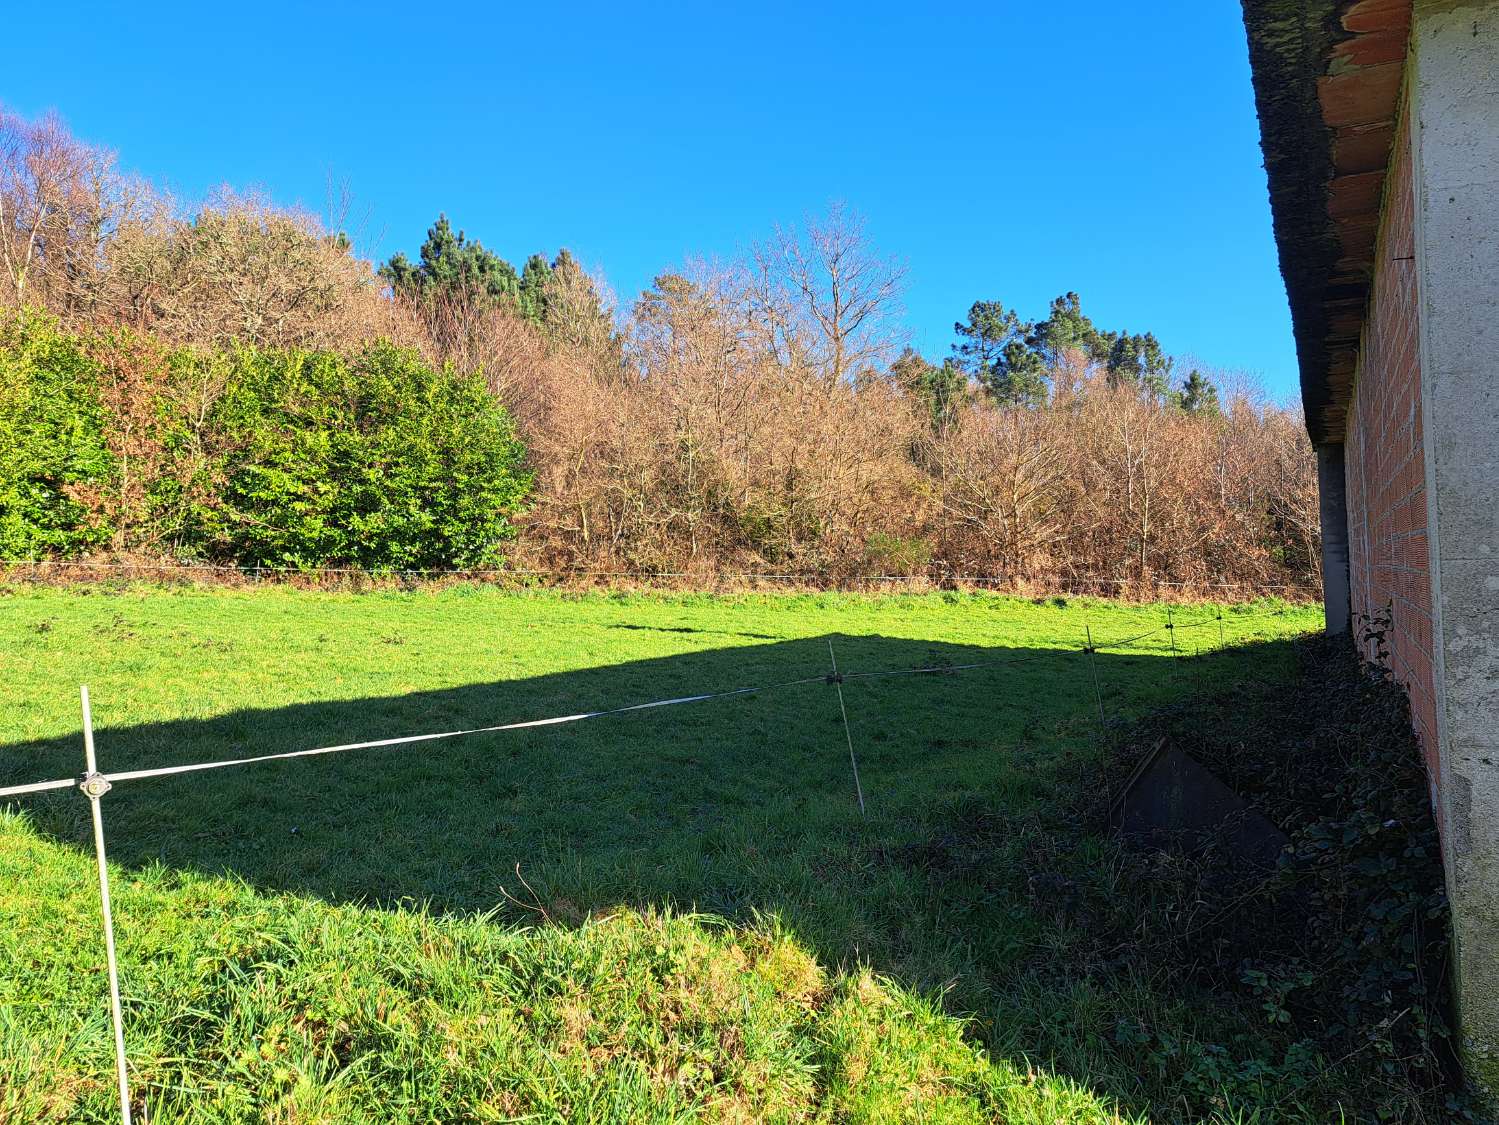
(657,916)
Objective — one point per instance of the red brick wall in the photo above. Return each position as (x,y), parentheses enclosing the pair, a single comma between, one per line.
(1390,568)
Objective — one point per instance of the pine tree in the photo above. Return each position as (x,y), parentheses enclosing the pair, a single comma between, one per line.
(1155,366)
(1198,395)
(982,338)
(451,266)
(1068,329)
(992,348)
(571,308)
(1138,361)
(533,288)
(573,313)
(1021,380)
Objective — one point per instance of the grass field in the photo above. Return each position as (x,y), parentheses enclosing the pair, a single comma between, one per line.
(672,914)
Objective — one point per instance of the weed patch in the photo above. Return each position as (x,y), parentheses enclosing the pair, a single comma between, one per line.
(1339,954)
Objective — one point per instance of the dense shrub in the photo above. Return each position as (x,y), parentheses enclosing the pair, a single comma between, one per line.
(53,452)
(721,448)
(249,456)
(376,461)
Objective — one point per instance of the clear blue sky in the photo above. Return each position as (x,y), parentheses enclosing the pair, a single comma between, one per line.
(1005,150)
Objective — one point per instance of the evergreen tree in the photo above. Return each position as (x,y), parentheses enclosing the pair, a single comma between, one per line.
(533,288)
(992,347)
(1021,380)
(450,265)
(1155,366)
(1124,364)
(1067,328)
(1138,361)
(572,310)
(940,390)
(1198,395)
(982,338)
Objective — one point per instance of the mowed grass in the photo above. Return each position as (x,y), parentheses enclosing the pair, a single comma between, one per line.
(668,914)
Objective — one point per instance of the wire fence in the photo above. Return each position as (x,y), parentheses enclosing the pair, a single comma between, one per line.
(49,569)
(94,784)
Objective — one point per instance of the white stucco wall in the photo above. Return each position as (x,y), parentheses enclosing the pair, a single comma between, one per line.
(1455,144)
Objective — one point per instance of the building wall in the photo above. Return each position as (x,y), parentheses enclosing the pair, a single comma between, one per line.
(1453,75)
(1388,557)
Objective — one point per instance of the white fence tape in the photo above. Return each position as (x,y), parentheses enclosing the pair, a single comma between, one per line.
(405,740)
(196,767)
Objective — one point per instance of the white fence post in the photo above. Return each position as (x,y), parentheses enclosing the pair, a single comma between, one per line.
(95,786)
(837,682)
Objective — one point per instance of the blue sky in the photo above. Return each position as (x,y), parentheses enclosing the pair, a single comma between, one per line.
(1004,150)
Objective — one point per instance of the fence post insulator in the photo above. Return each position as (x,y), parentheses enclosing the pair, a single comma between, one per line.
(94,785)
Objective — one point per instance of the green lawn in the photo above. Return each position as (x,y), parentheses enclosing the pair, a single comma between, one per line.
(667,914)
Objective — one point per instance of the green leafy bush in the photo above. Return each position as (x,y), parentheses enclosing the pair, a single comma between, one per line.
(375,461)
(54,457)
(253,457)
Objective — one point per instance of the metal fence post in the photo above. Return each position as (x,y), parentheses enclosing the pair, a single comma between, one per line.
(94,785)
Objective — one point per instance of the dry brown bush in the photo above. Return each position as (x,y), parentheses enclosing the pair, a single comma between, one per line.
(243,270)
(1003,477)
(97,248)
(708,452)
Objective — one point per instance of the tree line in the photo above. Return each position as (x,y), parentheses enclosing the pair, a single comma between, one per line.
(246,388)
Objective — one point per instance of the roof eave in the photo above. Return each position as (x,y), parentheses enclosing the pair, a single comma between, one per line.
(1327,76)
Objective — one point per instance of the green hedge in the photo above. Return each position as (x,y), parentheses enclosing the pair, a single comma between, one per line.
(299,459)
(54,456)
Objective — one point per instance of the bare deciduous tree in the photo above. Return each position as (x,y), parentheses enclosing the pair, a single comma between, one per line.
(62,202)
(243,269)
(830,283)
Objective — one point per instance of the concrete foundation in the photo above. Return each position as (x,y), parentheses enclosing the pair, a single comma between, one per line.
(1454,74)
(1332,486)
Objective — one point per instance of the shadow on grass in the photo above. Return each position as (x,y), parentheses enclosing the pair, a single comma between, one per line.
(691,629)
(739,807)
